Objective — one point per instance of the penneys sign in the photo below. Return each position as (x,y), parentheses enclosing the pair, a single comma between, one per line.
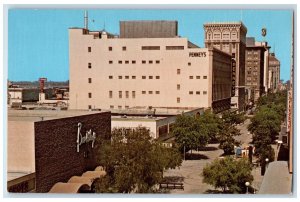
(197,54)
(89,137)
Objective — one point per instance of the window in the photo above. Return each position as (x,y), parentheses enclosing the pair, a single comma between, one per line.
(197,92)
(157,92)
(120,94)
(126,77)
(110,94)
(191,92)
(197,77)
(174,47)
(191,77)
(126,62)
(89,49)
(90,106)
(120,77)
(178,100)
(217,35)
(204,77)
(133,61)
(111,106)
(157,77)
(133,94)
(189,64)
(110,48)
(178,71)
(178,86)
(150,47)
(150,77)
(110,62)
(89,65)
(133,77)
(150,92)
(90,95)
(127,94)
(150,62)
(204,92)
(119,107)
(110,77)
(120,62)
(143,61)
(143,92)
(126,107)
(143,77)
(157,61)
(124,48)
(90,80)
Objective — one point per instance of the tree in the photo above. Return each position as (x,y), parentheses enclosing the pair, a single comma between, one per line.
(229,174)
(134,161)
(227,140)
(211,123)
(233,118)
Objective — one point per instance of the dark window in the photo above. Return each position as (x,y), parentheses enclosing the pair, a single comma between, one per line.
(133,77)
(191,92)
(89,49)
(191,77)
(197,77)
(150,47)
(126,77)
(126,62)
(204,92)
(110,48)
(110,62)
(150,77)
(111,106)
(133,94)
(126,107)
(157,61)
(178,71)
(178,100)
(143,77)
(189,64)
(90,106)
(90,95)
(90,65)
(124,48)
(150,92)
(143,92)
(120,94)
(90,80)
(204,77)
(143,61)
(174,47)
(110,77)
(133,61)
(127,94)
(150,62)
(120,61)
(157,92)
(157,77)
(119,107)
(198,92)
(110,94)
(120,77)
(178,86)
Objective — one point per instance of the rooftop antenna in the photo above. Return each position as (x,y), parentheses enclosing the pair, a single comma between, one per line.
(86,19)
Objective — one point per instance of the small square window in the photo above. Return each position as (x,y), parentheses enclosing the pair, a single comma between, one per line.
(204,92)
(110,48)
(150,92)
(120,62)
(191,92)
(178,100)
(110,94)
(126,107)
(178,86)
(120,94)
(197,92)
(178,71)
(110,62)
(89,65)
(133,94)
(90,95)
(126,77)
(157,92)
(89,49)
(90,80)
(133,77)
(204,77)
(189,64)
(197,77)
(90,106)
(119,107)
(110,77)
(157,77)
(143,61)
(120,77)
(191,77)
(124,48)
(111,106)
(127,94)
(143,77)
(143,92)
(150,62)
(133,61)
(150,77)
(126,62)
(157,61)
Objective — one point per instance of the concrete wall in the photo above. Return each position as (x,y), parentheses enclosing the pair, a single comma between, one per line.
(20,147)
(56,153)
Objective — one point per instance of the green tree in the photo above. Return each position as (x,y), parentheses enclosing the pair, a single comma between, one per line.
(134,161)
(227,140)
(229,174)
(233,118)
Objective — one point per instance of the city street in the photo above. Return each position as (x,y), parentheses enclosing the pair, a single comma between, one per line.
(191,170)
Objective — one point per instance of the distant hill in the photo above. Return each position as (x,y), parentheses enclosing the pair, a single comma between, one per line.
(36,84)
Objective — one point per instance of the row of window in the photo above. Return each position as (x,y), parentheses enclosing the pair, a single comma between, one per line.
(134,62)
(124,48)
(134,77)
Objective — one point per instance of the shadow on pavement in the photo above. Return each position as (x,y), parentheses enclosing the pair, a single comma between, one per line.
(173,179)
(195,156)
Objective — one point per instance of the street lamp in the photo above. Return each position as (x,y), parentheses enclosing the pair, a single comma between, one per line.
(247,185)
(267,161)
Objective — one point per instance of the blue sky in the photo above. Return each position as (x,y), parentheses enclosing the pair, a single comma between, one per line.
(38,38)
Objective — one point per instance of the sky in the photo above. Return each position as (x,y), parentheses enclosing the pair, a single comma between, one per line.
(38,38)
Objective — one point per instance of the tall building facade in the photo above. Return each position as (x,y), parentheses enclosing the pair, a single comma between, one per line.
(274,73)
(230,37)
(142,69)
(255,64)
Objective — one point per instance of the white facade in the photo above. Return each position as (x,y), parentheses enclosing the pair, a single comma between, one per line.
(120,73)
(15,96)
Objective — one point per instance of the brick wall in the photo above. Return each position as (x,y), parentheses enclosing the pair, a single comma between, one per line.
(56,153)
